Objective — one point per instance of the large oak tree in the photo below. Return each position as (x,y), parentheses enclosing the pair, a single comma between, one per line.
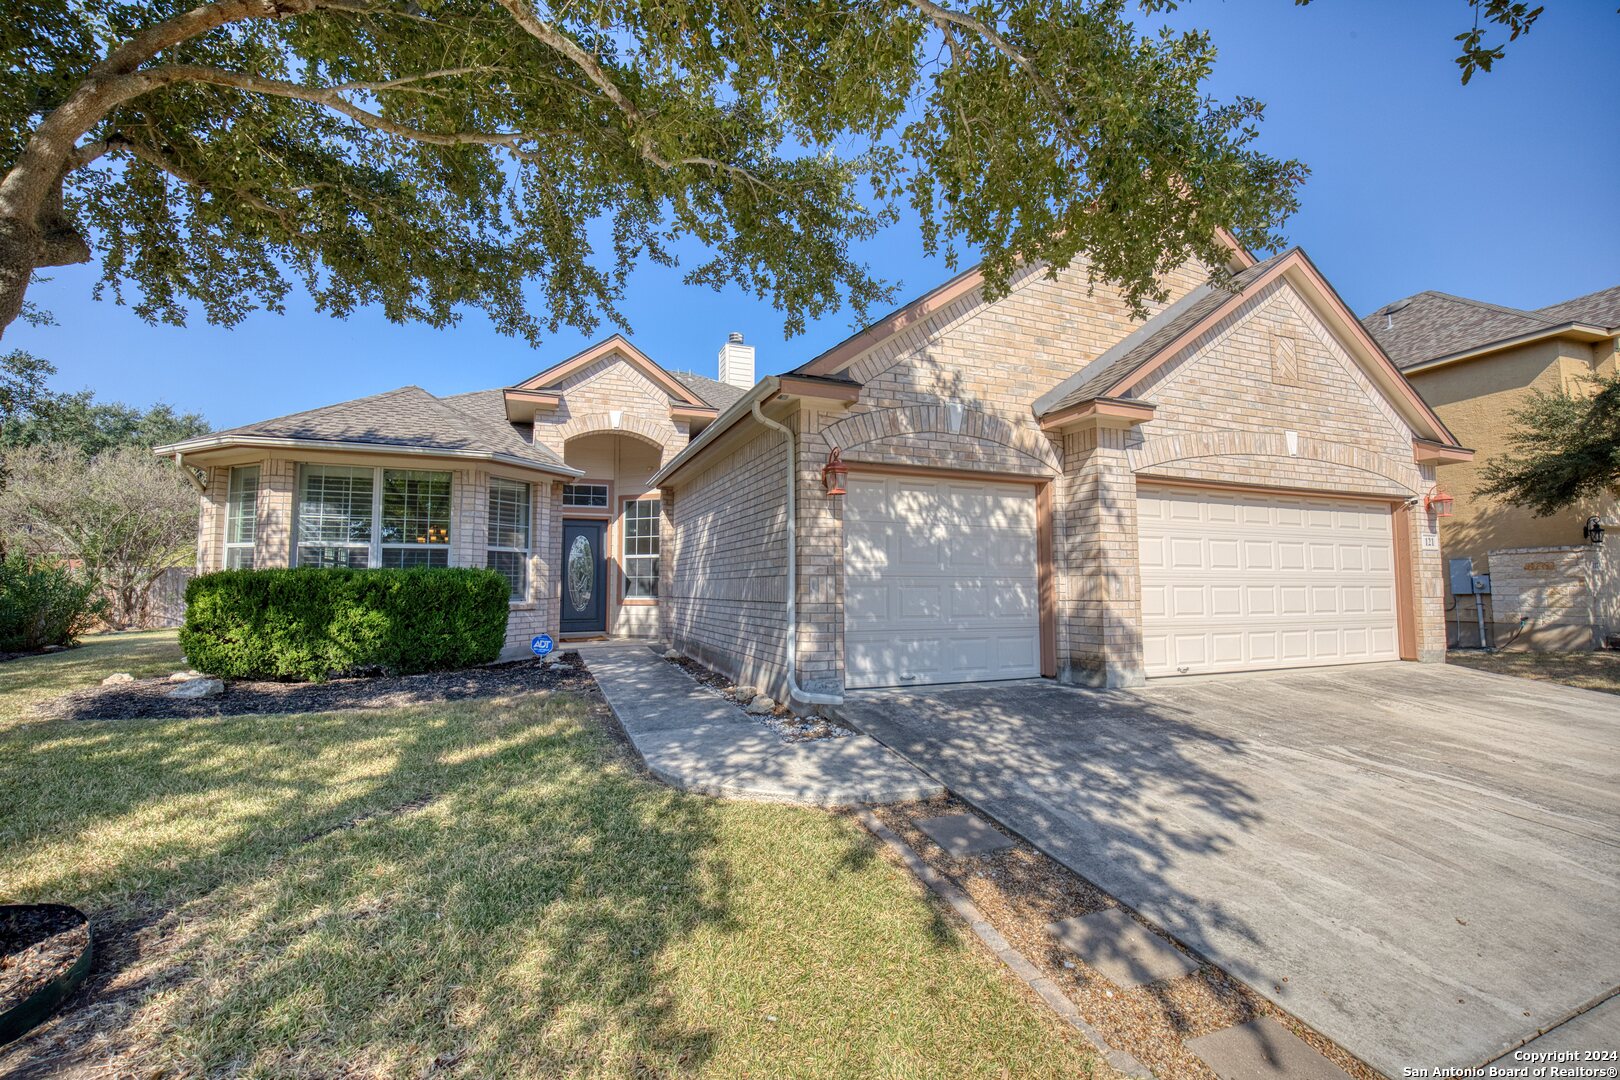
(521,156)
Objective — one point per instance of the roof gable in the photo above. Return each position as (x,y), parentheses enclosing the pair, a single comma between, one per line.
(1169,335)
(617,344)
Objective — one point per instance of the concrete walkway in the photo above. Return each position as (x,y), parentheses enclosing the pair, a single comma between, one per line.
(694,739)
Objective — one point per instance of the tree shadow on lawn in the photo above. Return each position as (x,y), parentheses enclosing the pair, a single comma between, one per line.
(481,887)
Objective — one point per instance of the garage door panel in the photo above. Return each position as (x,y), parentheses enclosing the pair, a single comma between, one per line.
(1253,581)
(940,582)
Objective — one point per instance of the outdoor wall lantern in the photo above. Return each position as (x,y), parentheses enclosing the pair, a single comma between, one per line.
(1438,501)
(1592,531)
(833,473)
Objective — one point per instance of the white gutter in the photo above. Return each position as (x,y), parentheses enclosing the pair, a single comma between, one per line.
(222,441)
(795,691)
(1581,331)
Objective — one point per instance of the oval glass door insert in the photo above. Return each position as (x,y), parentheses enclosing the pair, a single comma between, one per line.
(581,573)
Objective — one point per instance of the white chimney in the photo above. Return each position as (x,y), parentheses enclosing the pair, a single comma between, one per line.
(737,362)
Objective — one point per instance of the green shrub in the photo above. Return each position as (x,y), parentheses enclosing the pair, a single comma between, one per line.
(44,603)
(312,623)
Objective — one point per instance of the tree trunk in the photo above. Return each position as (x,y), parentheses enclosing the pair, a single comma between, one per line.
(19,254)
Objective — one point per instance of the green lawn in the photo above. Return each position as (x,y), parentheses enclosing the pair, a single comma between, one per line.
(477,889)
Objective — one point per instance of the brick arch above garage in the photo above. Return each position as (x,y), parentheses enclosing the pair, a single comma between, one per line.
(1265,459)
(943,436)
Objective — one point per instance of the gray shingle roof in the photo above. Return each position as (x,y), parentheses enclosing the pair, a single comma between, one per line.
(718,395)
(1433,324)
(1601,308)
(1148,341)
(408,417)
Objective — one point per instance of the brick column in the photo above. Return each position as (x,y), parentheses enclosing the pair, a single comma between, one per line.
(820,529)
(211,520)
(1096,562)
(273,533)
(1428,580)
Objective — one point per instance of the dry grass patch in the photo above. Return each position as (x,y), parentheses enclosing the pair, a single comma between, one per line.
(466,889)
(1587,670)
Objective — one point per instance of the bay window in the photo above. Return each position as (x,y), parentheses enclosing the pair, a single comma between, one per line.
(509,530)
(640,555)
(364,517)
(241,517)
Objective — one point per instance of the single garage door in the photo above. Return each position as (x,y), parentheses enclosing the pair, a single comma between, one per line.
(1242,582)
(939,581)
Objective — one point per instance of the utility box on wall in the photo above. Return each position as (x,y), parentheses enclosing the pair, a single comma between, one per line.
(1462,576)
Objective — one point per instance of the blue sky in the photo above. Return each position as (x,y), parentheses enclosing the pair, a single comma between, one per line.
(1505,190)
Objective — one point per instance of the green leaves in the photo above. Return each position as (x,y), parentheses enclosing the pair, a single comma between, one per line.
(463,154)
(1563,448)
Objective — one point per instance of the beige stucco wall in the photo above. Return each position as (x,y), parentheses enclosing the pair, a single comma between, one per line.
(1475,398)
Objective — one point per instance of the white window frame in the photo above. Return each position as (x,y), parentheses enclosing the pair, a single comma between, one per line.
(626,556)
(522,592)
(375,546)
(235,516)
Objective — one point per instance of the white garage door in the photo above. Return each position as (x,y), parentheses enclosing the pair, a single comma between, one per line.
(1240,582)
(939,581)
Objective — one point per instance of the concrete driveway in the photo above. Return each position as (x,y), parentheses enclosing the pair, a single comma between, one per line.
(1430,857)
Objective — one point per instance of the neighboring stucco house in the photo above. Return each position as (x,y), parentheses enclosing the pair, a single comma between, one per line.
(1475,363)
(1037,485)
(545,481)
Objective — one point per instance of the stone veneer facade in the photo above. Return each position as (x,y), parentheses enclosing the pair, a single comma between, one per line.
(955,391)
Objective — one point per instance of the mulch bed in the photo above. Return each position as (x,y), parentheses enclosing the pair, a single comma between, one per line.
(148,698)
(1021,891)
(781,720)
(38,943)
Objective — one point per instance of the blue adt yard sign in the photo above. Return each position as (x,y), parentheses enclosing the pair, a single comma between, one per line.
(541,644)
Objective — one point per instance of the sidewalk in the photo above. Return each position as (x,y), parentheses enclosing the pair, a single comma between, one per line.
(693,739)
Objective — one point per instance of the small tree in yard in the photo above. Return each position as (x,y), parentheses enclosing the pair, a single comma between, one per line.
(123,515)
(1563,448)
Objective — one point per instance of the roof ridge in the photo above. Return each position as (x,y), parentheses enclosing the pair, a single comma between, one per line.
(1486,304)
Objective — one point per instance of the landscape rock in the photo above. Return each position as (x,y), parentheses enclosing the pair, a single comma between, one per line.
(744,694)
(760,706)
(198,688)
(672,654)
(119,678)
(185,676)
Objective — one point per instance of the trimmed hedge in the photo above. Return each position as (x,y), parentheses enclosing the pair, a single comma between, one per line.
(310,623)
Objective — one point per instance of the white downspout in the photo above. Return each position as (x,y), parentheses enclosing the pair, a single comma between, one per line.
(795,691)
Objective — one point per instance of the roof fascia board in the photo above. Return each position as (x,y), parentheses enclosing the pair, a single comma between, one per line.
(194,446)
(1100,412)
(1425,451)
(1577,330)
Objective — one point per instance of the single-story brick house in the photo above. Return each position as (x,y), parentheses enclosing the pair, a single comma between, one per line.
(1039,485)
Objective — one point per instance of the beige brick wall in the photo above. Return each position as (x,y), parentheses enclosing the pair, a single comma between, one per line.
(956,392)
(725,574)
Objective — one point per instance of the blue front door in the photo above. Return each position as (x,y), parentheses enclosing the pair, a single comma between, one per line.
(584,577)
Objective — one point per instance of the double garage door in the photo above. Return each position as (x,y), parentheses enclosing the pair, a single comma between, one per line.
(1239,582)
(940,581)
